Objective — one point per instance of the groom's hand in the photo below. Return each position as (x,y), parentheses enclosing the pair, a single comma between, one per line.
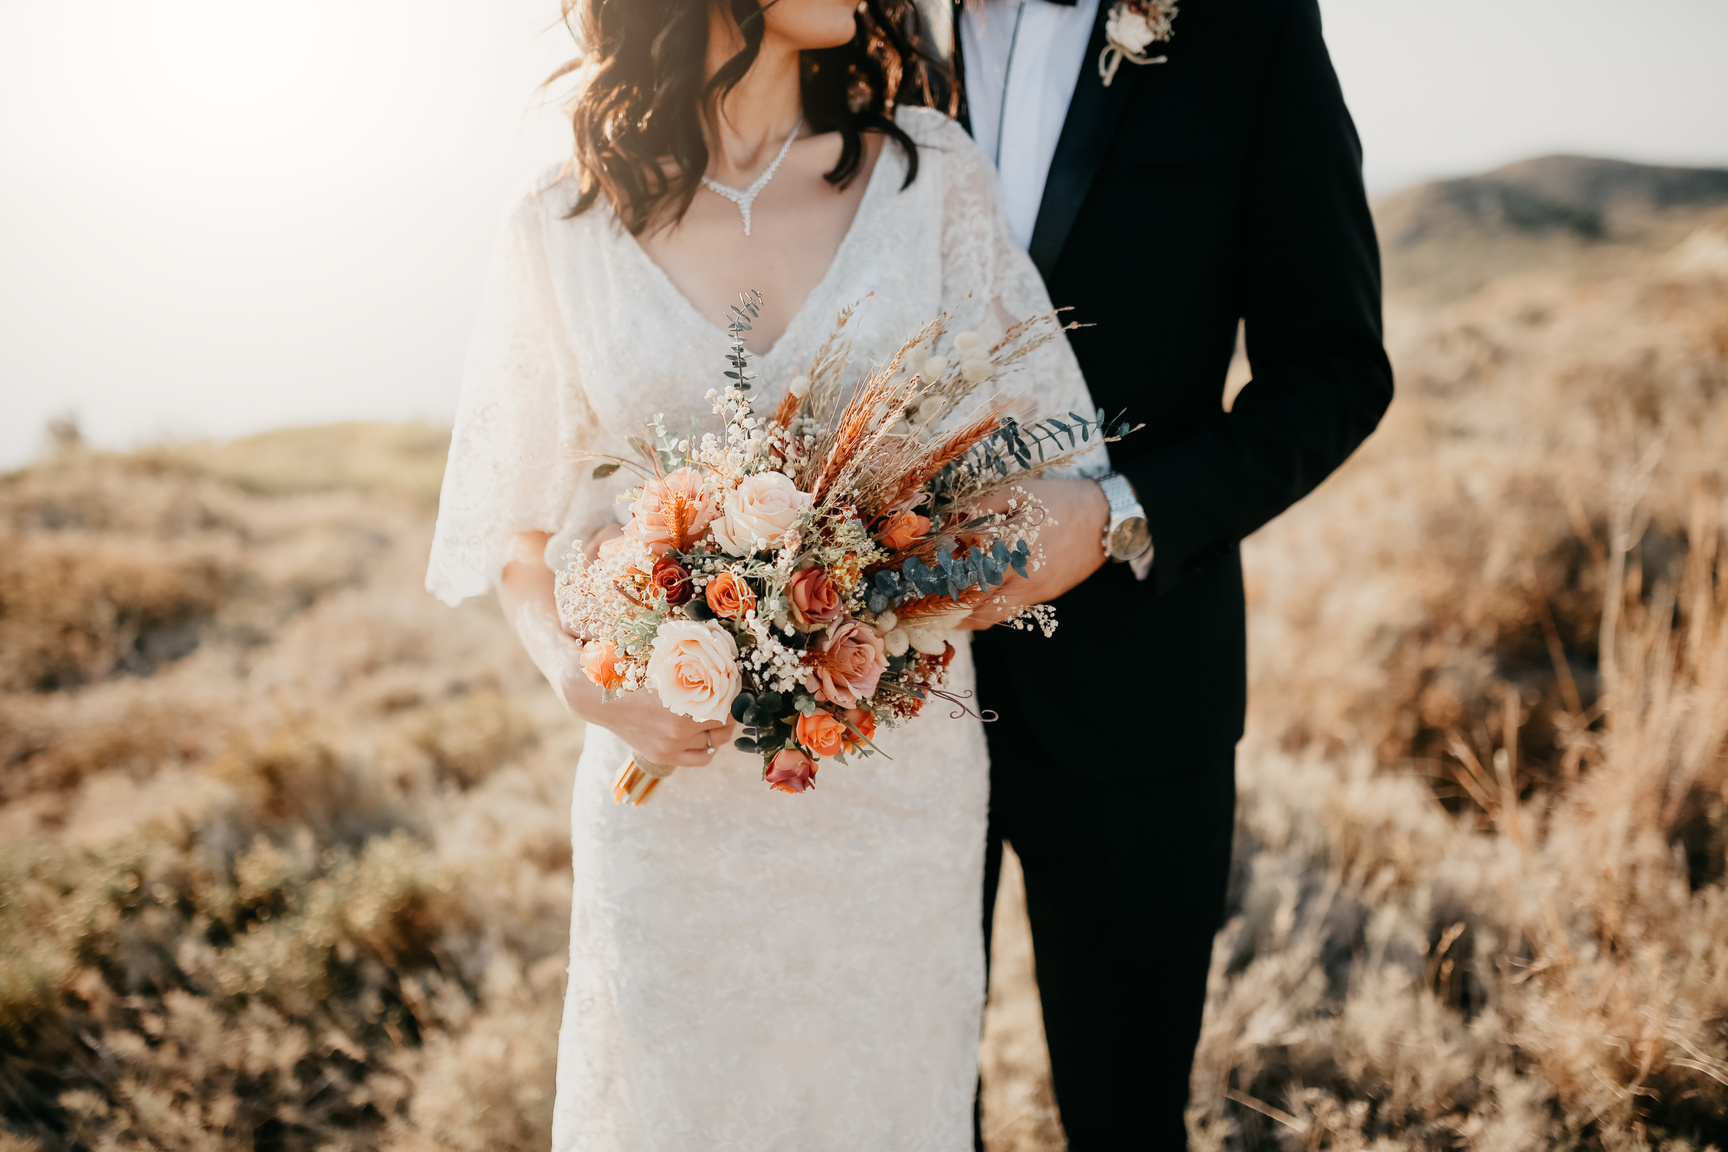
(1071,542)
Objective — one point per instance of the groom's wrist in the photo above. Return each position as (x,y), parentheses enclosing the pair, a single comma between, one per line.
(1126,537)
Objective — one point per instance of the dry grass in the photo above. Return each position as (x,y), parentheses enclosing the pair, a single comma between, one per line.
(284,854)
(301,879)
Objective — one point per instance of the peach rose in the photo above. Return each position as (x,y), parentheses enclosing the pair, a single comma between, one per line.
(600,661)
(695,667)
(671,512)
(821,733)
(671,578)
(791,771)
(901,530)
(812,599)
(865,724)
(845,663)
(730,595)
(762,507)
(610,548)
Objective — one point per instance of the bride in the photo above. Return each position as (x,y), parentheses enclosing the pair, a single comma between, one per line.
(747,970)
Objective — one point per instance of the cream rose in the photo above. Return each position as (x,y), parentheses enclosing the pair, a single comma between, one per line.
(1128,28)
(695,668)
(763,507)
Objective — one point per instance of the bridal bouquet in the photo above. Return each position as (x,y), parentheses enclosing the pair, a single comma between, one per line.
(800,572)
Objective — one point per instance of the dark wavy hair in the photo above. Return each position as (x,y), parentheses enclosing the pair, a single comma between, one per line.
(642,100)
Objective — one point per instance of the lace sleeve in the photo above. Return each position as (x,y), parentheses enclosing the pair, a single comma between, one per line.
(989,282)
(520,419)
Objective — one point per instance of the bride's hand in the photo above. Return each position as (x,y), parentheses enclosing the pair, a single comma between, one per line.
(647,725)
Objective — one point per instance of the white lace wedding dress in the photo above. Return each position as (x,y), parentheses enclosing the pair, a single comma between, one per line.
(748,970)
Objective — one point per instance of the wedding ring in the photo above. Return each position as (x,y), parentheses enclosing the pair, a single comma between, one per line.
(709,737)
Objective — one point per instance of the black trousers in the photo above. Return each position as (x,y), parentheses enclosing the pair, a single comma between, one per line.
(1125,886)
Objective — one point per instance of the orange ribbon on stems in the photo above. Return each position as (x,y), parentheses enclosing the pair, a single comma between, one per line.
(638,778)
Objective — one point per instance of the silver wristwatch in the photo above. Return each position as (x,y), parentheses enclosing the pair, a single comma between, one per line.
(1126,537)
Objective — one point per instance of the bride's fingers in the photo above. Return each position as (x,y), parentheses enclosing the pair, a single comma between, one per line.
(699,758)
(721,735)
(706,739)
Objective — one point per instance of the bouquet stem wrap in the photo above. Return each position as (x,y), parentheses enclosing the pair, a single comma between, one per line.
(638,778)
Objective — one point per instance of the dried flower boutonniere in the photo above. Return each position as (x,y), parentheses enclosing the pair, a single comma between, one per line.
(1131,28)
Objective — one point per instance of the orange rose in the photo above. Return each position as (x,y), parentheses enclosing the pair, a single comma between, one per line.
(791,771)
(600,661)
(729,596)
(901,530)
(864,722)
(822,733)
(812,599)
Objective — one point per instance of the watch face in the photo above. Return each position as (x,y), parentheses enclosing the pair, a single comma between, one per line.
(1129,538)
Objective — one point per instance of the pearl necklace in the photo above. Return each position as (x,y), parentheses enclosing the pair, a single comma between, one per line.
(746,197)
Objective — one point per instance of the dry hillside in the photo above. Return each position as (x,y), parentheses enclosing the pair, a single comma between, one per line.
(283,848)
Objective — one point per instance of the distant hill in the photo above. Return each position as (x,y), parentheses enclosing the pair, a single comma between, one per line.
(1452,235)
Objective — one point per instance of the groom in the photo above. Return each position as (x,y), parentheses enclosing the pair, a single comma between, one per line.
(1217,176)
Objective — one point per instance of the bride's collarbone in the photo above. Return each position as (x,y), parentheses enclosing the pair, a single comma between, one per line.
(798,223)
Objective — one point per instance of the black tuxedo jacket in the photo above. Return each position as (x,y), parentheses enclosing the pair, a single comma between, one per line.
(1223,184)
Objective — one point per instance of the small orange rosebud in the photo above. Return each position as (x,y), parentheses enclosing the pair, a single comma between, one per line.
(600,661)
(901,530)
(822,733)
(729,596)
(865,724)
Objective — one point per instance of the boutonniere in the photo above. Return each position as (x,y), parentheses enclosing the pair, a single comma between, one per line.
(1131,28)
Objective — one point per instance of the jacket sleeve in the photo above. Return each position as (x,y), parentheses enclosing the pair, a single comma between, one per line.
(1310,290)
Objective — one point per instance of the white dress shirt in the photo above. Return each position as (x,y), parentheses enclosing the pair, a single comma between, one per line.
(1022,58)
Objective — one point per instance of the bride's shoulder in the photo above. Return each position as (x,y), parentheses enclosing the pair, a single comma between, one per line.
(930,128)
(943,144)
(547,199)
(554,189)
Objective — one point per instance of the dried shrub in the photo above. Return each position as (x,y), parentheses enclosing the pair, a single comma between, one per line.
(80,609)
(468,737)
(242,905)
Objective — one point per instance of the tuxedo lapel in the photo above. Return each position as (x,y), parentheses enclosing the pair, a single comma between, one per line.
(1093,114)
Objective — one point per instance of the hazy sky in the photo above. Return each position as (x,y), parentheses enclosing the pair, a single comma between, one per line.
(218,216)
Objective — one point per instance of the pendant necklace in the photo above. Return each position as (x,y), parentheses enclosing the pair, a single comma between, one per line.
(746,197)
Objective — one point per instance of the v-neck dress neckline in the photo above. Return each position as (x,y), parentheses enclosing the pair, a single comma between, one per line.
(821,290)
